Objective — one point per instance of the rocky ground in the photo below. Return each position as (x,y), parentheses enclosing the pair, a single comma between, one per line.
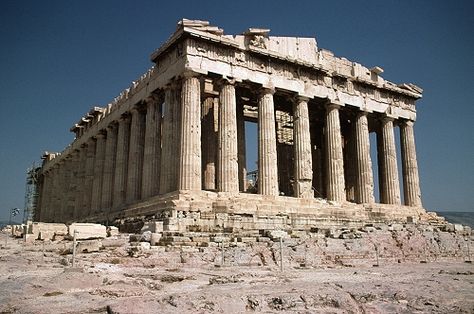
(38,278)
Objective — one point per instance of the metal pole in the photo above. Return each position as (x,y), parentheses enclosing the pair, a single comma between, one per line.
(222,250)
(10,224)
(74,249)
(281,254)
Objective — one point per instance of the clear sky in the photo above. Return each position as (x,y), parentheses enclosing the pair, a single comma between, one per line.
(60,58)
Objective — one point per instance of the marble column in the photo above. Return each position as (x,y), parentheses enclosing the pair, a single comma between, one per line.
(170,139)
(75,181)
(350,175)
(69,187)
(80,188)
(89,176)
(109,167)
(45,198)
(209,143)
(121,161)
(387,157)
(53,194)
(152,149)
(135,155)
(364,192)
(242,151)
(228,168)
(267,151)
(98,173)
(335,160)
(411,180)
(303,177)
(190,148)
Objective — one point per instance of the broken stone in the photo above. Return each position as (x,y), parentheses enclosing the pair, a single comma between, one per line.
(87,231)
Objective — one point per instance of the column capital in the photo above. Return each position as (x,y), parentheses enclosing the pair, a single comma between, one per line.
(224,81)
(333,105)
(190,73)
(407,122)
(112,126)
(264,90)
(387,118)
(300,97)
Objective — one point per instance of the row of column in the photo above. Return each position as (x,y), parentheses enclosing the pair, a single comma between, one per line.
(138,156)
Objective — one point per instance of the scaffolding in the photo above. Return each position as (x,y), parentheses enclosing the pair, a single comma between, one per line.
(31,193)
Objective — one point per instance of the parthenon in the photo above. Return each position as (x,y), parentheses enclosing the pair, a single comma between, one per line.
(173,145)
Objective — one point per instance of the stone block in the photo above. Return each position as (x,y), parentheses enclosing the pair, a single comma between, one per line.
(146,236)
(458,228)
(395,227)
(153,226)
(112,231)
(88,231)
(48,230)
(89,246)
(30,238)
(277,234)
(155,238)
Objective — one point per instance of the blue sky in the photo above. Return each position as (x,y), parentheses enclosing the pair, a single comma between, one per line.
(60,58)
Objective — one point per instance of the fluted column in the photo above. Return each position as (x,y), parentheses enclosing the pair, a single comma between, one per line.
(228,168)
(190,149)
(364,192)
(46,197)
(209,143)
(69,187)
(303,187)
(74,183)
(152,149)
(79,195)
(89,176)
(267,151)
(121,161)
(335,160)
(241,148)
(109,167)
(135,155)
(98,173)
(411,180)
(170,149)
(387,157)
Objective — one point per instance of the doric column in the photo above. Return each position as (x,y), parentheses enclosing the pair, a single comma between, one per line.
(152,150)
(98,172)
(135,155)
(303,186)
(69,188)
(89,176)
(45,198)
(411,180)
(53,194)
(60,191)
(74,183)
(170,140)
(335,160)
(228,168)
(387,157)
(109,167)
(241,148)
(209,143)
(190,148)
(121,161)
(80,188)
(364,192)
(267,151)
(350,177)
